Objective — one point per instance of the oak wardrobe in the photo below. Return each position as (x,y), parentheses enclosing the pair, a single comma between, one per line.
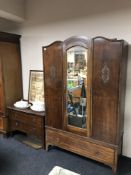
(10,75)
(84,86)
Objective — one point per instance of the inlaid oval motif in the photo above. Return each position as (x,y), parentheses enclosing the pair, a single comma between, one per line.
(53,72)
(105,73)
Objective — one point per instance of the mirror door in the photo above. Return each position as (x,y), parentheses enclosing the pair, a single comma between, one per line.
(76,87)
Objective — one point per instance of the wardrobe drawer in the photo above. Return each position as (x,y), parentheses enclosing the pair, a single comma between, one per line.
(80,146)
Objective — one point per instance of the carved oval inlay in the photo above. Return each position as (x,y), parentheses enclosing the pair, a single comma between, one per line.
(52,72)
(105,73)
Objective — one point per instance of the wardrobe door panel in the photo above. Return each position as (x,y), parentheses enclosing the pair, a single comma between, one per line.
(10,75)
(105,87)
(12,72)
(52,58)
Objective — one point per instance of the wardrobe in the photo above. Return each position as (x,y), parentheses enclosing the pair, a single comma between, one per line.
(10,75)
(84,84)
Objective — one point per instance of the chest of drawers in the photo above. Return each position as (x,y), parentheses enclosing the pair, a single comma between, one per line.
(27,121)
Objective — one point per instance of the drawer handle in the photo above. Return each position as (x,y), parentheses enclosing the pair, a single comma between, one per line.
(57,139)
(34,120)
(16,123)
(97,153)
(34,129)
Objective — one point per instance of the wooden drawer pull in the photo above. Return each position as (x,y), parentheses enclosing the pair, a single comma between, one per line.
(34,129)
(34,119)
(97,153)
(57,139)
(16,123)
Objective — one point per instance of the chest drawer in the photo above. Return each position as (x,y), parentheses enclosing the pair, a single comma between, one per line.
(35,131)
(1,123)
(27,118)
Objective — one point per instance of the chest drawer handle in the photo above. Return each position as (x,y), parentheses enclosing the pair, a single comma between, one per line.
(16,123)
(34,119)
(34,129)
(97,153)
(57,139)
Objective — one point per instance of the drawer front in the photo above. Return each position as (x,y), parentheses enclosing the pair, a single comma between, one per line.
(16,125)
(27,118)
(1,123)
(80,146)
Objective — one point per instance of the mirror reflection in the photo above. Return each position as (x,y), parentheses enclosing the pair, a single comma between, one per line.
(76,86)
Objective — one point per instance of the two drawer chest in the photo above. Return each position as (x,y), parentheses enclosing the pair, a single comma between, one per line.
(27,121)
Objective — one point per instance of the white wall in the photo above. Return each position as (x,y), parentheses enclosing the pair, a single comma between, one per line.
(49,20)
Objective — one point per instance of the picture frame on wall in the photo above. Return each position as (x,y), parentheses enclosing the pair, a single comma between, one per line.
(36,86)
(80,61)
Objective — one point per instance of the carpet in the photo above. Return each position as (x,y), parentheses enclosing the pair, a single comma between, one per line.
(29,141)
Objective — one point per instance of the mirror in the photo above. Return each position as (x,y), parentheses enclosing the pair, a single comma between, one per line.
(76,86)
